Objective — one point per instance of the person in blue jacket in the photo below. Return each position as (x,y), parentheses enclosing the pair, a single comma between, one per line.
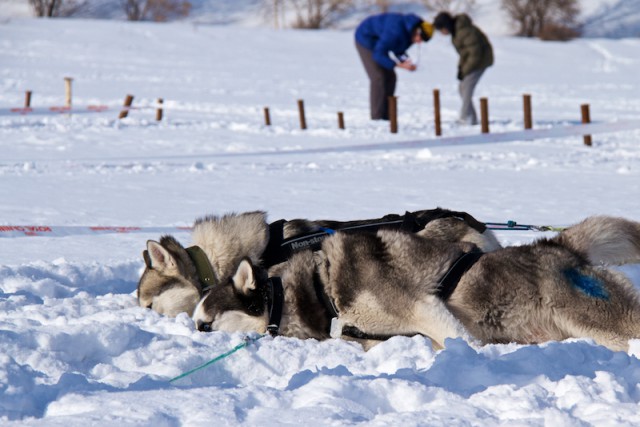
(379,36)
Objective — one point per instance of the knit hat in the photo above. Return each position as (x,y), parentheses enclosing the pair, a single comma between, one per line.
(426,30)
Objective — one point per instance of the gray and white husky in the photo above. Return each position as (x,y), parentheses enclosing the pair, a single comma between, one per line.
(176,278)
(391,282)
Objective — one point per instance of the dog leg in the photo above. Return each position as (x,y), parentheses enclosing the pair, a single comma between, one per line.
(604,240)
(438,323)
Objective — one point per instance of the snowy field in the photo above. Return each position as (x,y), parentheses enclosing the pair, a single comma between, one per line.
(76,350)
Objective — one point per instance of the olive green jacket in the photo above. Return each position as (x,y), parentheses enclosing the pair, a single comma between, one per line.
(472,45)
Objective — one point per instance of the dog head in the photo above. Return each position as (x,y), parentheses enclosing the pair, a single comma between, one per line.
(238,305)
(169,283)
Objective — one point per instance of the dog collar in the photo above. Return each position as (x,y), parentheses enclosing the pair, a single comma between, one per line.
(275,302)
(204,269)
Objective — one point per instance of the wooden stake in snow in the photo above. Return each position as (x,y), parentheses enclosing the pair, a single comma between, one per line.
(267,116)
(159,110)
(340,120)
(586,118)
(484,114)
(67,91)
(27,99)
(127,103)
(526,103)
(303,119)
(436,112)
(393,114)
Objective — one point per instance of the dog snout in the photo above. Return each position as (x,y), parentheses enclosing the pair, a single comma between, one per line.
(203,326)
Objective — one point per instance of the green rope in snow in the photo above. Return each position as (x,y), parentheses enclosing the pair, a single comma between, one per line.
(247,341)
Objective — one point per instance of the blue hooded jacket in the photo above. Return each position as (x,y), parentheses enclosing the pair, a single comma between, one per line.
(387,32)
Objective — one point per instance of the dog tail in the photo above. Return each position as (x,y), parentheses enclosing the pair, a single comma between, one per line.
(604,240)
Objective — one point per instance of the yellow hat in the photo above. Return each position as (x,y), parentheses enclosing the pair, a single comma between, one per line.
(427,30)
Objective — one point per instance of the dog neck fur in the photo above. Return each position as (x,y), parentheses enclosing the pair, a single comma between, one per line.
(228,239)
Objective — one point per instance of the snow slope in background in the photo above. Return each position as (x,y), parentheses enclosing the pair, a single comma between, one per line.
(601,18)
(76,350)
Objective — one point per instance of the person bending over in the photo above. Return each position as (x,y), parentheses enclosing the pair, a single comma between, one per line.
(476,55)
(379,36)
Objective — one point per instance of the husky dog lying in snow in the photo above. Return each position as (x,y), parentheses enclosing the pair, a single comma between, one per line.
(177,278)
(445,279)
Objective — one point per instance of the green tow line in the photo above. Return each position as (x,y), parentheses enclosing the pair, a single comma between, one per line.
(247,342)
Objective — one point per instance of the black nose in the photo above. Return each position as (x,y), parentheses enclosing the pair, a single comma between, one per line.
(204,326)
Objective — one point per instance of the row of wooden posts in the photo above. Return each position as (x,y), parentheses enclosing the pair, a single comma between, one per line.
(303,116)
(128,101)
(484,115)
(393,112)
(67,94)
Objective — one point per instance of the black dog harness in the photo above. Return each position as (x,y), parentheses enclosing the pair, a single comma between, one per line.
(280,249)
(275,302)
(449,282)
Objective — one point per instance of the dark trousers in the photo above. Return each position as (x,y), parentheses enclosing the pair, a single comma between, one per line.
(382,84)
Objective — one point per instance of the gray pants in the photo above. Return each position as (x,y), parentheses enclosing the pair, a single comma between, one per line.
(466,88)
(382,84)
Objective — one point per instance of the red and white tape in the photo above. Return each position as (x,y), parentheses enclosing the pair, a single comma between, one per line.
(71,110)
(62,231)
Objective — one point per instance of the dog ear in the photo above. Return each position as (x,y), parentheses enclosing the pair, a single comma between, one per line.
(147,260)
(159,258)
(244,280)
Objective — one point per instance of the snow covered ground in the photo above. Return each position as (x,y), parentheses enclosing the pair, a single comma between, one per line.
(76,350)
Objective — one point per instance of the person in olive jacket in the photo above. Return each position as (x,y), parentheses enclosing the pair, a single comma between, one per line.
(378,36)
(476,55)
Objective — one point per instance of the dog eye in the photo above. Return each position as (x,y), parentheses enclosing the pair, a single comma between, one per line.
(204,326)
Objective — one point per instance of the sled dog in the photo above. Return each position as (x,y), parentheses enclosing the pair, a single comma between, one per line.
(434,282)
(176,278)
